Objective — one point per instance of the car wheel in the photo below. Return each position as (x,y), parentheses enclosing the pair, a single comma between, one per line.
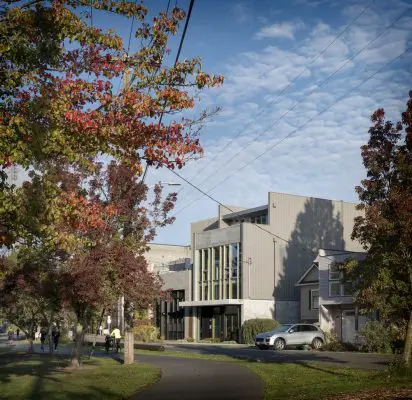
(317,343)
(279,344)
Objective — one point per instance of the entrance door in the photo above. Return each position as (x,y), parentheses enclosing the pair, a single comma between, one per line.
(348,326)
(206,324)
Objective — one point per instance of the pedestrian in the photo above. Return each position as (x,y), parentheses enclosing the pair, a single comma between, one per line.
(100,330)
(56,337)
(18,333)
(43,335)
(117,336)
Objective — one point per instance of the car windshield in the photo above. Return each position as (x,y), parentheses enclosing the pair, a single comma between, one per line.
(282,328)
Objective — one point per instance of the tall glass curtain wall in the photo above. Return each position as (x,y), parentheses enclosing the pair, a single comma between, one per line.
(170,316)
(220,272)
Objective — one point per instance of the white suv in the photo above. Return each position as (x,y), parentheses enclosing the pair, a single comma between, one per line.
(291,335)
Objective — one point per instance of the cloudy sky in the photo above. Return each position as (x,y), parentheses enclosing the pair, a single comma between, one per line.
(278,77)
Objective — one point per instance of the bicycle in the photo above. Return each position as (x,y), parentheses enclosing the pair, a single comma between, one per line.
(112,344)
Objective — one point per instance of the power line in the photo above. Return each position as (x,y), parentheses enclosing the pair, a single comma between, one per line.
(285,137)
(290,83)
(182,39)
(320,85)
(189,13)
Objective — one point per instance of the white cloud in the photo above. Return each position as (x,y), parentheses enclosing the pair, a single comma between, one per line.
(323,158)
(283,30)
(242,12)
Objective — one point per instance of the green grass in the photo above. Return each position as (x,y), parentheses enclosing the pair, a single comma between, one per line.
(42,377)
(307,382)
(303,381)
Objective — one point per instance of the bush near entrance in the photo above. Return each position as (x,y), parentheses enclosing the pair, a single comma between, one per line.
(252,327)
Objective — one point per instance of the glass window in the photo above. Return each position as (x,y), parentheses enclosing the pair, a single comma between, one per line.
(234,260)
(206,293)
(314,299)
(234,290)
(334,288)
(216,251)
(334,273)
(217,297)
(205,265)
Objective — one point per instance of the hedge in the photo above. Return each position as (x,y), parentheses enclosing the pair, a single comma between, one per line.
(252,327)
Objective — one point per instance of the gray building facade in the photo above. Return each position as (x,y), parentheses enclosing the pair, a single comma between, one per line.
(246,262)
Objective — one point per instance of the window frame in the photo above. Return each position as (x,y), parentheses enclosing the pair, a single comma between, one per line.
(311,302)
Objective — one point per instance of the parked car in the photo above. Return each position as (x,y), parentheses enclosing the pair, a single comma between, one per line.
(291,335)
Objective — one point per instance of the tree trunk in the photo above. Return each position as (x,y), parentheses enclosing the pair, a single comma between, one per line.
(30,349)
(129,347)
(78,340)
(97,332)
(408,343)
(51,344)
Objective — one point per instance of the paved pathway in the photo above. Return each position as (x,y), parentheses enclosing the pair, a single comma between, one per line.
(186,379)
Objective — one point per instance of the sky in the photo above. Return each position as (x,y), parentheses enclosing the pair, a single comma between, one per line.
(268,135)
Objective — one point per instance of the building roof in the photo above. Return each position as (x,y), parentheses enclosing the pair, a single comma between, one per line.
(301,280)
(248,211)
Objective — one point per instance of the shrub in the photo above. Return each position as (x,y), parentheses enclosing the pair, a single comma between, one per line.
(376,337)
(252,327)
(146,333)
(190,340)
(397,368)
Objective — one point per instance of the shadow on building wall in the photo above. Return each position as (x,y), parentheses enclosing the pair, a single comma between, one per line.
(318,226)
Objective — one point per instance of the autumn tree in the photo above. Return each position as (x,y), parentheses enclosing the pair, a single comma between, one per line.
(60,112)
(384,280)
(58,102)
(29,291)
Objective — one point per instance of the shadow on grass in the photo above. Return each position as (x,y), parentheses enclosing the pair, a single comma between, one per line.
(38,368)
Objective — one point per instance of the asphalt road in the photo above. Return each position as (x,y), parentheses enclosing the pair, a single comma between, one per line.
(344,359)
(187,379)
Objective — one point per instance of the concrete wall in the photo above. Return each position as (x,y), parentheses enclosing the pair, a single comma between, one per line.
(218,237)
(307,314)
(256,309)
(258,246)
(167,255)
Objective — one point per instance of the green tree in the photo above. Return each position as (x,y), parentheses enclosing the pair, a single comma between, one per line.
(384,279)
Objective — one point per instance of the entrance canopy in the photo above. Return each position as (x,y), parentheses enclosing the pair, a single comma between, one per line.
(208,303)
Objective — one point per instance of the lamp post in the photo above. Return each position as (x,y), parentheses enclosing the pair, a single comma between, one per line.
(165,184)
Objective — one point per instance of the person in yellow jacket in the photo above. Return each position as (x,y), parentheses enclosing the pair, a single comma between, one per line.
(117,336)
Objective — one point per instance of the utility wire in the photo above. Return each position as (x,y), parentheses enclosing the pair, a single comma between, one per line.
(288,85)
(320,85)
(182,39)
(282,140)
(128,49)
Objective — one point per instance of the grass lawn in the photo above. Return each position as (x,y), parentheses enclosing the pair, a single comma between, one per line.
(302,381)
(39,376)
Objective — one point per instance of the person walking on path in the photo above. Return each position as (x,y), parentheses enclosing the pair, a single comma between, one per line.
(18,333)
(56,337)
(43,335)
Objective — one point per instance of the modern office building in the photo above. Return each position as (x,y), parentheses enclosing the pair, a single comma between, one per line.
(247,261)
